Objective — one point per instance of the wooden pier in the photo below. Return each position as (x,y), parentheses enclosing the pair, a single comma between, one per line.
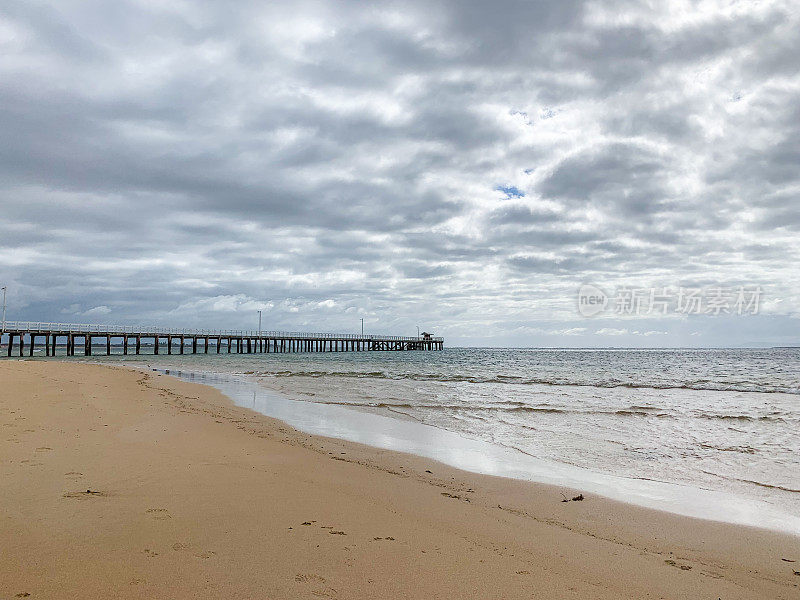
(23,337)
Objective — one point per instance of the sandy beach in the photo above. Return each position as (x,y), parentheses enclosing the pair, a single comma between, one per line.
(119,483)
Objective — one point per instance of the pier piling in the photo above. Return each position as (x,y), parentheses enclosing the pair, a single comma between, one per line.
(239,342)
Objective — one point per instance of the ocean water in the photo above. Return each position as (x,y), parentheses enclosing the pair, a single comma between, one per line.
(726,421)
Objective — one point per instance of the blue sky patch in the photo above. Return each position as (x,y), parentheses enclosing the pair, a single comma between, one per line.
(510,191)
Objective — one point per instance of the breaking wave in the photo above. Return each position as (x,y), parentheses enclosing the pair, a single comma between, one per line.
(700,385)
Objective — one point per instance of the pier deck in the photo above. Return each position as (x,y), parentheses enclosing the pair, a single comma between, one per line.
(194,341)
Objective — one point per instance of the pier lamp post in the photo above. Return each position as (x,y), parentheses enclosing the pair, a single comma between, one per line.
(3,330)
(417,331)
(259,323)
(362,325)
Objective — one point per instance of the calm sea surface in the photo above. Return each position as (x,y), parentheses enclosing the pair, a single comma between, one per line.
(725,420)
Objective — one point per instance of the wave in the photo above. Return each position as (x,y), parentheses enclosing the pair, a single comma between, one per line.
(770,485)
(739,449)
(540,409)
(745,418)
(499,406)
(508,406)
(520,407)
(634,410)
(698,385)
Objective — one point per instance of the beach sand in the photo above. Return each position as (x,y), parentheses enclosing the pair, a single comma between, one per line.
(119,483)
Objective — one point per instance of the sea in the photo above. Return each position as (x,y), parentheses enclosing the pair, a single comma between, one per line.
(671,428)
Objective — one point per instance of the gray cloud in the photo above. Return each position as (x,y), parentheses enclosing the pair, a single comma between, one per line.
(465,164)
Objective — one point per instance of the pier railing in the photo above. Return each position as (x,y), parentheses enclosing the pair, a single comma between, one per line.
(80,328)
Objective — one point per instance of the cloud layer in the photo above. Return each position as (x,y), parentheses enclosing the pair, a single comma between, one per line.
(463,166)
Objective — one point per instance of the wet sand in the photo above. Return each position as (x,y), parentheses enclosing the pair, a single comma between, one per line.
(127,484)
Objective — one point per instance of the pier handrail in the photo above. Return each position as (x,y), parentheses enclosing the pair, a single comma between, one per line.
(144,331)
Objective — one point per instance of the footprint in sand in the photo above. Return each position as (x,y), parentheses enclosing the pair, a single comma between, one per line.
(181,547)
(711,575)
(315,580)
(309,578)
(150,553)
(672,563)
(159,514)
(85,494)
(326,593)
(454,496)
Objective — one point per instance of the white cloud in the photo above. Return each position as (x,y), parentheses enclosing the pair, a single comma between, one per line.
(570,331)
(190,164)
(611,331)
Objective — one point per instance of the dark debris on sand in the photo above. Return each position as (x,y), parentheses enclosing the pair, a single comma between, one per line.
(578,498)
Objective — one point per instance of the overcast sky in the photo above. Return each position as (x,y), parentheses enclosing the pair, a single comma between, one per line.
(461,166)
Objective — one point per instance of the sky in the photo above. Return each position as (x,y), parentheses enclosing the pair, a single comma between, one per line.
(464,167)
